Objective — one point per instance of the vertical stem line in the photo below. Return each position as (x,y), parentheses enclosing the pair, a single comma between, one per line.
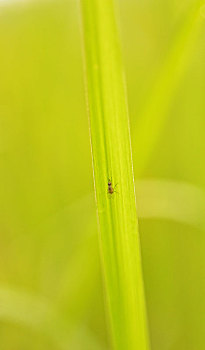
(111,152)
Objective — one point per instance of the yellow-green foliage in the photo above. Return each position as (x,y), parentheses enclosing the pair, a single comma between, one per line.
(112,162)
(51,289)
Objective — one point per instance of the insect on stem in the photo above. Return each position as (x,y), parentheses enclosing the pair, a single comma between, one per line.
(111,189)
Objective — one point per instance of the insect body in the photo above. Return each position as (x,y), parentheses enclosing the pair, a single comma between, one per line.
(111,189)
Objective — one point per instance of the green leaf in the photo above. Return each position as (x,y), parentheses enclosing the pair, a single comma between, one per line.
(155,112)
(111,152)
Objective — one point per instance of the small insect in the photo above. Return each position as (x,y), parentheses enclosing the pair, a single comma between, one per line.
(111,189)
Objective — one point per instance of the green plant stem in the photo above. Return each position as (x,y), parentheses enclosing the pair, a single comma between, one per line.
(155,113)
(111,152)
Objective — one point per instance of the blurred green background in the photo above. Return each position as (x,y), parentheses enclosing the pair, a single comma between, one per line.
(51,288)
